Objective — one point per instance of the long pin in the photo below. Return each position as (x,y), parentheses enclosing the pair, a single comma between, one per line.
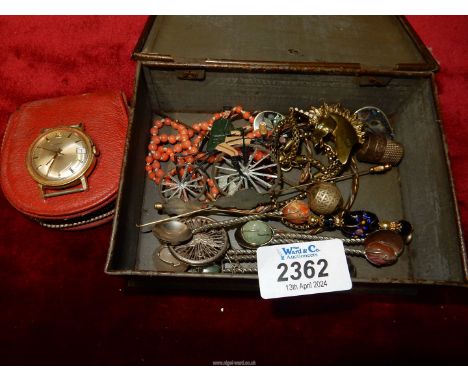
(173,217)
(373,170)
(210,208)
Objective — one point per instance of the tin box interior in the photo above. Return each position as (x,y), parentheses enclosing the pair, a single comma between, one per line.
(190,67)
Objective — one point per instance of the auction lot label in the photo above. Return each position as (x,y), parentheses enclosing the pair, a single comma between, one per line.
(302,268)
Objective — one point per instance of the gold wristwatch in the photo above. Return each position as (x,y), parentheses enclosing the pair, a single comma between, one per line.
(60,159)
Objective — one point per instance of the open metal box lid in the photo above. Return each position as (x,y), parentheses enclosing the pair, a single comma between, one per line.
(357,44)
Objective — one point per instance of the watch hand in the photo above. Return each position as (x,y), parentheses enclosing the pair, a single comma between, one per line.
(51,161)
(52,151)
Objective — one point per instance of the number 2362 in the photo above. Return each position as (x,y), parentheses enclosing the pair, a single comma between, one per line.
(308,270)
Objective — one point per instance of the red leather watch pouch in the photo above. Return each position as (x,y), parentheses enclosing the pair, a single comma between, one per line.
(105,118)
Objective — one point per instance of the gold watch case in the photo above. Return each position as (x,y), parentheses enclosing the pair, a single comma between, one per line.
(61,157)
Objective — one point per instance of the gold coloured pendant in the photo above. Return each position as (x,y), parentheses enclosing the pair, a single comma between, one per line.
(347,130)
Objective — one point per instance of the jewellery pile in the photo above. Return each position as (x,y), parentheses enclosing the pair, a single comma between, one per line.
(263,166)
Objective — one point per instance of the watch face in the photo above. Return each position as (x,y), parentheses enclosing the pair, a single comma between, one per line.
(60,156)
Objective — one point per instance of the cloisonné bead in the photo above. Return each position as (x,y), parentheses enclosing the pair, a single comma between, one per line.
(358,224)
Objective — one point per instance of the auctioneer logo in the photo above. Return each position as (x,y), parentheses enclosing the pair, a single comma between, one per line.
(298,251)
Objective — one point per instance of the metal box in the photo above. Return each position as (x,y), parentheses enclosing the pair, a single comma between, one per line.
(189,67)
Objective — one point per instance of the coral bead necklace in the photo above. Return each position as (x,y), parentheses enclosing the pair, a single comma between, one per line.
(183,146)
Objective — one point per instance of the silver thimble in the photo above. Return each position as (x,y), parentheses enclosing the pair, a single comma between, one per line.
(380,149)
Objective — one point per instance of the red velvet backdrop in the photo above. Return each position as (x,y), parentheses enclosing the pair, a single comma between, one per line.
(58,307)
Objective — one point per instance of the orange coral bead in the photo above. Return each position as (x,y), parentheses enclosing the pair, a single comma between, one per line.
(258,155)
(163,138)
(167,121)
(178,148)
(186,144)
(164,157)
(212,159)
(152,175)
(296,212)
(158,124)
(149,158)
(160,173)
(148,168)
(157,155)
(172,139)
(155,139)
(192,150)
(190,133)
(214,191)
(154,131)
(180,161)
(246,115)
(182,172)
(156,164)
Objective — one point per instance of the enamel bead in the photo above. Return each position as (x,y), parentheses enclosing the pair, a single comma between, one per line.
(358,224)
